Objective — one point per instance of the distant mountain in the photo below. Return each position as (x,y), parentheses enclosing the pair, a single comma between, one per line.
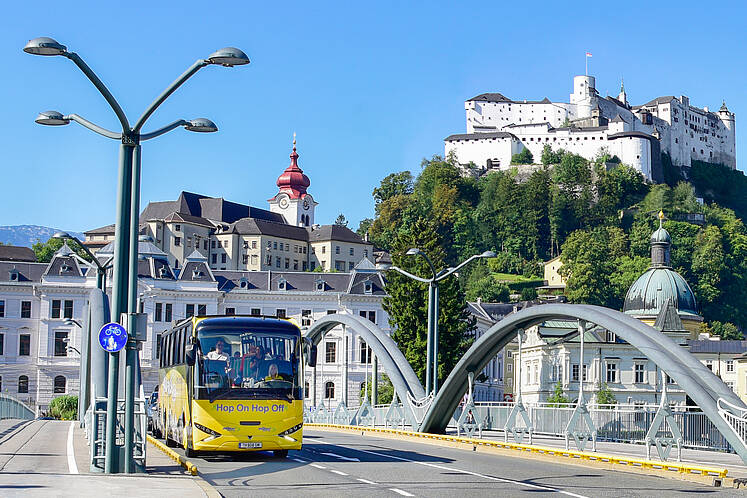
(28,235)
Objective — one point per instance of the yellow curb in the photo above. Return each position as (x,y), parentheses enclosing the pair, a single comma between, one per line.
(189,466)
(714,476)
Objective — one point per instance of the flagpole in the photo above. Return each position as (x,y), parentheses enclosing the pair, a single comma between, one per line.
(586,61)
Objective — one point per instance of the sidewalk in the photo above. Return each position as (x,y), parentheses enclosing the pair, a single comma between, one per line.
(731,461)
(46,458)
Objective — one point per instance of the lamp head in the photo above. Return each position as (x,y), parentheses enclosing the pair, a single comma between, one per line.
(383,266)
(413,251)
(228,57)
(488,254)
(201,125)
(51,118)
(44,46)
(62,235)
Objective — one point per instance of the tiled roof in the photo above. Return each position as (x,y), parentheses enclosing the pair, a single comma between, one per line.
(27,272)
(707,346)
(479,136)
(17,253)
(253,226)
(334,232)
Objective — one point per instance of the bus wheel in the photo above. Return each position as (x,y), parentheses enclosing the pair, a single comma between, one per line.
(280,453)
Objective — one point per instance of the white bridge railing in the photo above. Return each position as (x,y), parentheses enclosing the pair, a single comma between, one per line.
(735,416)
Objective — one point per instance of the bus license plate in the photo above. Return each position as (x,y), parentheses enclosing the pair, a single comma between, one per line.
(249,445)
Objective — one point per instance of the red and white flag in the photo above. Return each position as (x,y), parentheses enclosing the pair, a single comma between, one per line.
(588,54)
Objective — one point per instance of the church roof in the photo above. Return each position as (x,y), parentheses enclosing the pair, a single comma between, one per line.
(293,181)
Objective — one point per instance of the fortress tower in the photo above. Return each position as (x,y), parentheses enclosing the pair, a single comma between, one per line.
(584,95)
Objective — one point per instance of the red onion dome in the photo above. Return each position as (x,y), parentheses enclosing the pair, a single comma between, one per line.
(293,181)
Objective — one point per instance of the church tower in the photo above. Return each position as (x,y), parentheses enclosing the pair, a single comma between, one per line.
(622,96)
(292,201)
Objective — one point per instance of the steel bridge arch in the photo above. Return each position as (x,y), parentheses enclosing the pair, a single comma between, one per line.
(393,361)
(699,383)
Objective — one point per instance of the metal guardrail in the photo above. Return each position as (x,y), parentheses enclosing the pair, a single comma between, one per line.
(11,407)
(614,423)
(735,416)
(97,439)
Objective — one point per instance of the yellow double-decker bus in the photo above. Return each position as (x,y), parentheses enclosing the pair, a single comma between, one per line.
(232,383)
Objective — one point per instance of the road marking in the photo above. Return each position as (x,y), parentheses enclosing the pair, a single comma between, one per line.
(400,492)
(342,457)
(299,460)
(366,481)
(316,465)
(72,467)
(338,472)
(452,469)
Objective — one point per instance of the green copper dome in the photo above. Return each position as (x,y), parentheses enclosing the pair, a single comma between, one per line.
(651,291)
(661,235)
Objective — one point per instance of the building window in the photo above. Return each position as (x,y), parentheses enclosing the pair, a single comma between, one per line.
(331,312)
(25,309)
(351,265)
(59,384)
(2,308)
(24,345)
(277,261)
(205,245)
(60,343)
(364,352)
(158,345)
(729,365)
(574,372)
(640,373)
(337,249)
(56,307)
(669,379)
(168,313)
(611,373)
(177,228)
(330,349)
(254,244)
(190,310)
(287,263)
(610,337)
(280,313)
(256,312)
(177,241)
(158,313)
(2,346)
(329,390)
(230,311)
(709,365)
(352,251)
(214,259)
(305,318)
(201,309)
(245,259)
(371,315)
(68,311)
(275,245)
(324,249)
(23,384)
(223,258)
(306,389)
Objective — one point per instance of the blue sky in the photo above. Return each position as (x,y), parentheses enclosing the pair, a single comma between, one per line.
(370,88)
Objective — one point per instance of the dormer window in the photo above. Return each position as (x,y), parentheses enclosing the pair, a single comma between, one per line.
(177,228)
(196,273)
(163,272)
(282,284)
(368,287)
(321,285)
(64,268)
(243,283)
(13,275)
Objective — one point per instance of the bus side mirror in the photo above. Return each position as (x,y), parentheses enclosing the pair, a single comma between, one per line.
(311,361)
(189,355)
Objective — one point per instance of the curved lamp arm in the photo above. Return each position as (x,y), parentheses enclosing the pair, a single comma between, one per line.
(94,127)
(458,267)
(199,64)
(101,88)
(428,260)
(408,274)
(165,129)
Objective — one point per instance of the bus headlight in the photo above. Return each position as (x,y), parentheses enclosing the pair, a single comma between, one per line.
(207,430)
(286,433)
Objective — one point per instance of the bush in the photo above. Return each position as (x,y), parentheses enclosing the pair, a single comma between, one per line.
(64,408)
(605,396)
(528,293)
(557,398)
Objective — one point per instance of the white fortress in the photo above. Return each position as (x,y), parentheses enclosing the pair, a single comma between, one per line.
(498,127)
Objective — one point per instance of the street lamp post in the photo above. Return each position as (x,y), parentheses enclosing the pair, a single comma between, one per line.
(431,370)
(124,285)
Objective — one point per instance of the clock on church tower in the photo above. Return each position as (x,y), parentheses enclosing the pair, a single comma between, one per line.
(292,201)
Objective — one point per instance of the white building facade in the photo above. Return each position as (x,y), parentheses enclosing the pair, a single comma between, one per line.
(588,125)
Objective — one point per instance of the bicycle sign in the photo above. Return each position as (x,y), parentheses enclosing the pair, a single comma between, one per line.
(112,337)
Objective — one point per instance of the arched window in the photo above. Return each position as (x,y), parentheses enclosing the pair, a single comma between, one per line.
(306,389)
(23,384)
(329,390)
(59,384)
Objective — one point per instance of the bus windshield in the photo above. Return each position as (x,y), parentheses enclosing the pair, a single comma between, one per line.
(247,364)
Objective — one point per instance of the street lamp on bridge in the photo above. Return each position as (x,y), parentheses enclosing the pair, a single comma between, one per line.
(124,285)
(431,368)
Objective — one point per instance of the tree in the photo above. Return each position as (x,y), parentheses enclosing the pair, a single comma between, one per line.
(727,331)
(363,227)
(341,220)
(528,293)
(605,396)
(44,251)
(549,156)
(385,392)
(488,289)
(394,184)
(523,157)
(406,302)
(558,397)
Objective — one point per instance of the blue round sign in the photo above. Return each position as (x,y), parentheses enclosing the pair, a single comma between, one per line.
(112,337)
